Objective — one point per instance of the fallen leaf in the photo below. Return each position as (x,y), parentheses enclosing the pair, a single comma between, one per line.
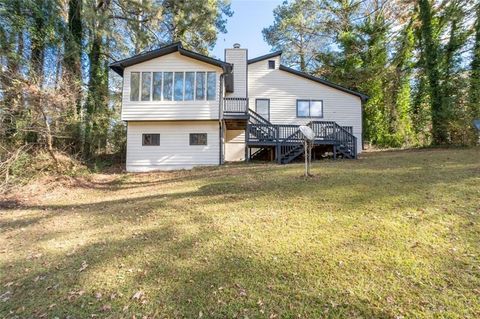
(138,295)
(84,266)
(106,308)
(5,296)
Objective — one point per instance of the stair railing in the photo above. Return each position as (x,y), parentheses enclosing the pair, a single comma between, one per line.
(260,129)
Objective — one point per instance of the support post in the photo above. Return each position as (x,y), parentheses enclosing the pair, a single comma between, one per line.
(247,157)
(334,151)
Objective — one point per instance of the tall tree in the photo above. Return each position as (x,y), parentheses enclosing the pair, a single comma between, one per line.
(374,63)
(400,123)
(195,23)
(296,32)
(96,117)
(72,65)
(474,92)
(430,48)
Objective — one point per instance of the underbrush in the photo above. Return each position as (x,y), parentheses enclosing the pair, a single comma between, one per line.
(25,166)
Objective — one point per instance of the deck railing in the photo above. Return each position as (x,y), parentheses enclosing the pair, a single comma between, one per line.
(286,136)
(235,105)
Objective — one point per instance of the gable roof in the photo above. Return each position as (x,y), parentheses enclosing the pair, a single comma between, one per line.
(322,81)
(264,57)
(119,66)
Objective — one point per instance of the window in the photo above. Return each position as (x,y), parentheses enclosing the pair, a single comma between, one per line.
(198,138)
(178,87)
(211,86)
(200,88)
(189,85)
(146,85)
(167,86)
(134,86)
(150,139)
(262,107)
(157,86)
(271,64)
(309,108)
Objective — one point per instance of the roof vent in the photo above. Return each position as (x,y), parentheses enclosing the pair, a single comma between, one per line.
(236,46)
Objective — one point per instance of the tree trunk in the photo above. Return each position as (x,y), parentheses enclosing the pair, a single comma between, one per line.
(431,48)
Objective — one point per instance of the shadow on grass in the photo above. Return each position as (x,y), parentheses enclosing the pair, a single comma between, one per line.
(178,276)
(185,272)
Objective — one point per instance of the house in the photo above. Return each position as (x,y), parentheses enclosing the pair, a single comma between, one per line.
(184,109)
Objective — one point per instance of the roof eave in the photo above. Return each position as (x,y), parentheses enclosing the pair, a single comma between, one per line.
(119,66)
(264,57)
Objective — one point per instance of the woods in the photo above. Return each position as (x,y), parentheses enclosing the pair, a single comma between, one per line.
(57,92)
(417,60)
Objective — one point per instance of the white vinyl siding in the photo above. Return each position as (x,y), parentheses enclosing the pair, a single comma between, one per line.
(174,151)
(167,109)
(284,89)
(234,145)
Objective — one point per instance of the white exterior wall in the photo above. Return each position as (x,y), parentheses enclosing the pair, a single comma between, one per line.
(174,151)
(234,145)
(283,89)
(238,57)
(169,110)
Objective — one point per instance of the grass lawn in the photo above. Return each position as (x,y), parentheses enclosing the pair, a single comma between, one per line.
(391,235)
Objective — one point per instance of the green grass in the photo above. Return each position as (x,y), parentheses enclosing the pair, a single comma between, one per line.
(391,235)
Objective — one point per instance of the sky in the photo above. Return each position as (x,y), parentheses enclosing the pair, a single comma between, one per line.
(245,27)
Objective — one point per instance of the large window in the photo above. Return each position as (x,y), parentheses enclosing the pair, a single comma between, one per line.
(177,86)
(189,85)
(200,88)
(262,107)
(309,108)
(198,138)
(157,86)
(146,85)
(167,86)
(150,139)
(211,86)
(134,86)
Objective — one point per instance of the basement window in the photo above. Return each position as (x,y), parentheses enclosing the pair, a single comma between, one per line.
(150,139)
(198,138)
(271,64)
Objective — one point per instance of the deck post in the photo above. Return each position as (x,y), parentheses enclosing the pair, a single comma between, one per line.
(334,151)
(277,146)
(247,158)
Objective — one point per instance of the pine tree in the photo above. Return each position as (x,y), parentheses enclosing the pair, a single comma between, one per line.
(295,31)
(374,78)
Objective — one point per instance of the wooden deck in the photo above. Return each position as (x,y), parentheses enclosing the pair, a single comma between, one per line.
(284,140)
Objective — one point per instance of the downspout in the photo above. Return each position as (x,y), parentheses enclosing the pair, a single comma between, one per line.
(220,116)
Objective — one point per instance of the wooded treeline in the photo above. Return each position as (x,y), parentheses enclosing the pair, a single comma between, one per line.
(56,90)
(417,60)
